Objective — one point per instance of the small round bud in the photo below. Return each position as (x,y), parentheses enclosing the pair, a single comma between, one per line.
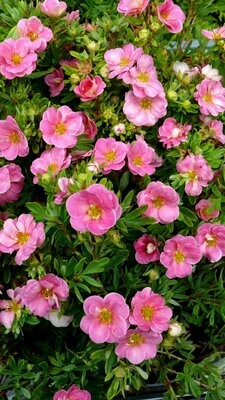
(143,33)
(186,104)
(172,95)
(93,167)
(153,275)
(175,329)
(119,129)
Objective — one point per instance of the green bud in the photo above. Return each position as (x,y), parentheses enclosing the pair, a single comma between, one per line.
(119,372)
(172,95)
(155,26)
(186,104)
(153,275)
(74,79)
(104,71)
(92,46)
(143,33)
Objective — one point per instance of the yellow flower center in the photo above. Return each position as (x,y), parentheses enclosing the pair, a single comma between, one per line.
(16,59)
(147,313)
(210,240)
(207,98)
(192,176)
(217,36)
(143,77)
(158,202)
(32,36)
(60,128)
(124,62)
(15,307)
(14,137)
(164,15)
(53,167)
(145,103)
(46,293)
(22,237)
(105,316)
(110,155)
(179,256)
(138,161)
(94,211)
(135,339)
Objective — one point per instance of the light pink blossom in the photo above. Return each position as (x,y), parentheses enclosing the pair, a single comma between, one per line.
(106,319)
(90,88)
(172,133)
(55,82)
(90,128)
(44,295)
(162,202)
(132,7)
(57,319)
(215,34)
(11,309)
(216,130)
(197,173)
(120,60)
(149,312)
(73,16)
(73,393)
(171,15)
(95,209)
(53,8)
(204,211)
(110,154)
(207,71)
(142,159)
(211,240)
(11,183)
(146,249)
(178,256)
(13,142)
(23,235)
(210,96)
(38,34)
(63,184)
(50,163)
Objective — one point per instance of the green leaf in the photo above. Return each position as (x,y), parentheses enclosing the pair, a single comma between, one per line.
(96,266)
(37,210)
(26,393)
(39,74)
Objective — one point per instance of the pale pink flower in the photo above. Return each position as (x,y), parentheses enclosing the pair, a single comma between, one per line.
(171,15)
(138,346)
(210,96)
(180,68)
(162,202)
(146,249)
(215,34)
(61,126)
(44,295)
(90,88)
(50,163)
(57,319)
(63,184)
(73,393)
(211,239)
(110,154)
(13,142)
(142,159)
(120,60)
(80,154)
(207,71)
(149,312)
(53,8)
(132,7)
(11,183)
(17,58)
(204,211)
(11,309)
(38,34)
(90,128)
(22,234)
(95,209)
(197,173)
(144,111)
(178,256)
(172,133)
(55,82)
(73,16)
(216,130)
(106,319)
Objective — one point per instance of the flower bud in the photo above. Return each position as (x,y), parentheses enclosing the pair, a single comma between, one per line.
(172,95)
(104,72)
(186,104)
(153,275)
(92,46)
(93,167)
(175,329)
(143,33)
(119,129)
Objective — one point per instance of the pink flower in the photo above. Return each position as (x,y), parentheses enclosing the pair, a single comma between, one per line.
(50,163)
(94,209)
(210,96)
(171,16)
(61,126)
(44,295)
(138,346)
(57,319)
(211,239)
(36,32)
(207,71)
(149,312)
(73,393)
(144,111)
(215,34)
(55,82)
(142,159)
(106,318)
(11,309)
(110,154)
(204,211)
(73,16)
(132,7)
(172,133)
(90,88)
(178,256)
(17,58)
(53,8)
(146,249)
(162,202)
(63,184)
(13,143)
(90,128)
(216,130)
(120,60)
(11,183)
(22,234)
(196,171)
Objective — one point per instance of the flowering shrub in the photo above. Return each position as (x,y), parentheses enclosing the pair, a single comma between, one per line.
(112,179)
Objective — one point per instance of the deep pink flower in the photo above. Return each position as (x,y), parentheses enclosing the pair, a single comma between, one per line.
(11,183)
(90,128)
(63,184)
(61,126)
(172,133)
(11,309)
(120,60)
(215,34)
(44,295)
(73,16)
(210,96)
(17,58)
(73,393)
(211,239)
(90,88)
(106,319)
(142,159)
(178,256)
(53,8)
(202,209)
(196,171)
(146,249)
(162,202)
(144,111)
(149,312)
(132,7)
(95,209)
(171,15)
(13,142)
(55,82)
(110,154)
(22,234)
(38,34)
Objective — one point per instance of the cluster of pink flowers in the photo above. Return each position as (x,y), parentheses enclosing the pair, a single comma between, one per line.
(172,133)
(11,183)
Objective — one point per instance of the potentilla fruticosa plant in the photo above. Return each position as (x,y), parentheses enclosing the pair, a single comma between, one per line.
(112,182)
